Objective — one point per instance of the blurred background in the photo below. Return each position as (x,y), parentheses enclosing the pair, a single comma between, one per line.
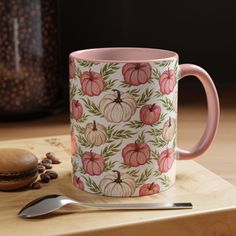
(37,36)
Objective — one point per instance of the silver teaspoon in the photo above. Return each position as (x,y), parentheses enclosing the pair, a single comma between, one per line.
(50,203)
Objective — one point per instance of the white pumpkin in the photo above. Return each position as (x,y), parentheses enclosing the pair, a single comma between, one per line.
(95,134)
(118,185)
(118,106)
(169,129)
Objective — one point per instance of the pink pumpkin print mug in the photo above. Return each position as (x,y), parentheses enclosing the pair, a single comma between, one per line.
(123,105)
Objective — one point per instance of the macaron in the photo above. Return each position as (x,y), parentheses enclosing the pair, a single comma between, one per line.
(18,168)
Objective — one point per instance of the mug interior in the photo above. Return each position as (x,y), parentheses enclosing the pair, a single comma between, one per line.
(120,55)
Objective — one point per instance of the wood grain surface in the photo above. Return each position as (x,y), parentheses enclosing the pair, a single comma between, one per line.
(214,201)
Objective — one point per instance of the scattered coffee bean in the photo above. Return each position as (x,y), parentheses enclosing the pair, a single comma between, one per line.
(47,165)
(41,168)
(52,156)
(52,174)
(47,161)
(45,178)
(35,185)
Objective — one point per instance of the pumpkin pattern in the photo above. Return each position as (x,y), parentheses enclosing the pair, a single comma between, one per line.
(169,129)
(117,107)
(165,160)
(77,182)
(76,109)
(95,134)
(149,114)
(118,185)
(123,126)
(137,73)
(93,163)
(136,154)
(167,81)
(149,189)
(92,83)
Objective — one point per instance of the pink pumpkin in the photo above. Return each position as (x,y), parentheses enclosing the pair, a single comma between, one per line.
(136,154)
(149,114)
(93,163)
(167,81)
(165,160)
(137,73)
(77,182)
(71,68)
(76,109)
(92,83)
(149,189)
(73,144)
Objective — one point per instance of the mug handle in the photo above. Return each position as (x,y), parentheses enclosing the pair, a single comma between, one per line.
(213,111)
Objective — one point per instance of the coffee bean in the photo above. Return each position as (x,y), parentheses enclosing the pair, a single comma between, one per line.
(52,174)
(45,178)
(35,185)
(47,165)
(52,156)
(41,168)
(46,160)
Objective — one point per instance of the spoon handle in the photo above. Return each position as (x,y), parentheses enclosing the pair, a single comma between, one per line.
(142,206)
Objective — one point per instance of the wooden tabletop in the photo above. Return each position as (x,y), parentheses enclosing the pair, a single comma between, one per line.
(220,158)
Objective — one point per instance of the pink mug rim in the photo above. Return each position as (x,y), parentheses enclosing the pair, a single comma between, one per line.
(124,54)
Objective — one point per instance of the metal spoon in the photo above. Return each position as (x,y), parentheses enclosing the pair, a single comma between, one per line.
(50,203)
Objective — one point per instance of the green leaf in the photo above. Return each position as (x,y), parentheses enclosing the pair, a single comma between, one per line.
(124,166)
(165,180)
(158,94)
(123,84)
(134,173)
(134,92)
(83,118)
(77,73)
(135,124)
(73,91)
(109,84)
(91,184)
(81,170)
(109,165)
(80,92)
(157,173)
(86,63)
(108,69)
(141,137)
(92,107)
(143,177)
(156,74)
(155,132)
(167,103)
(79,129)
(110,150)
(155,155)
(118,134)
(164,63)
(82,141)
(144,97)
(74,164)
(158,142)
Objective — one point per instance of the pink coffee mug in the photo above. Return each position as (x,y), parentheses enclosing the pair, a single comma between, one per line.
(124,119)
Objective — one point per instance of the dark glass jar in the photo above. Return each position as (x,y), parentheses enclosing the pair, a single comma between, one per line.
(29,62)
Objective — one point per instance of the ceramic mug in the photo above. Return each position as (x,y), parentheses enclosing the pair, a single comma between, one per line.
(123,105)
